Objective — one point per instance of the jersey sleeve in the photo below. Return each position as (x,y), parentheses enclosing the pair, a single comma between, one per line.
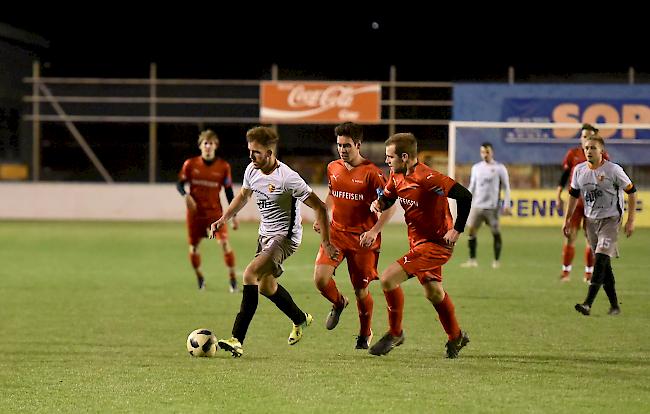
(472,179)
(621,179)
(299,188)
(183,174)
(227,181)
(377,180)
(505,182)
(574,179)
(390,191)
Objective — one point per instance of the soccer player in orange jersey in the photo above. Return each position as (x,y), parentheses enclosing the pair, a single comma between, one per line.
(206,175)
(422,193)
(354,183)
(573,157)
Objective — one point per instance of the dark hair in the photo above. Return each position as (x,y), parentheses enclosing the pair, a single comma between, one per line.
(487,145)
(350,129)
(589,127)
(263,135)
(404,143)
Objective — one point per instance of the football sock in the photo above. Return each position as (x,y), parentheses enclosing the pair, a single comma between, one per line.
(472,247)
(229,259)
(447,315)
(590,258)
(195,259)
(395,306)
(497,246)
(331,293)
(567,256)
(285,303)
(365,306)
(609,286)
(247,310)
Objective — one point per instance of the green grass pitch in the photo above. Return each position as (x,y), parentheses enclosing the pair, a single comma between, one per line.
(94,318)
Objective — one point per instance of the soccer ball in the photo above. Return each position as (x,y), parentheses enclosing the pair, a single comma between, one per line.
(202,343)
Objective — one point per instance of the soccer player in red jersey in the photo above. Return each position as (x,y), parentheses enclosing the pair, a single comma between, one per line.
(573,157)
(206,175)
(354,183)
(422,193)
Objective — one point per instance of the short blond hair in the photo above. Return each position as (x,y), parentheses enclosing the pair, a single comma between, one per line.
(404,143)
(598,139)
(207,135)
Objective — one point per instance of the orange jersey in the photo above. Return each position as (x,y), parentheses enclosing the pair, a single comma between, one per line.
(352,192)
(423,196)
(575,156)
(206,181)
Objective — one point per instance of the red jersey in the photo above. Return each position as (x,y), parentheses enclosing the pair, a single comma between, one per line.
(575,156)
(423,196)
(206,180)
(352,192)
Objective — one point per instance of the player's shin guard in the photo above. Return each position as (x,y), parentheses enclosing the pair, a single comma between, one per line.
(497,246)
(247,310)
(283,300)
(229,259)
(568,252)
(331,292)
(447,315)
(472,242)
(195,259)
(609,285)
(395,306)
(365,306)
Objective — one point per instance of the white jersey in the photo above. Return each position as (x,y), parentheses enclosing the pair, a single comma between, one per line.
(486,180)
(278,196)
(601,188)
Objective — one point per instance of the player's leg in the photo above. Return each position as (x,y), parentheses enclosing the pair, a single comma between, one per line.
(391,278)
(323,279)
(568,248)
(195,233)
(446,310)
(492,218)
(590,257)
(228,257)
(473,224)
(362,267)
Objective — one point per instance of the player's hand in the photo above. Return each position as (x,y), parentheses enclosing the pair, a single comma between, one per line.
(190,203)
(507,211)
(368,238)
(451,237)
(566,229)
(316,226)
(235,223)
(629,228)
(331,250)
(375,207)
(214,227)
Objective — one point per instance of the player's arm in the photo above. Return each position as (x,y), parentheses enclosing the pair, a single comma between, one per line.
(560,186)
(237,204)
(574,194)
(230,195)
(463,205)
(321,216)
(382,203)
(505,181)
(329,203)
(368,238)
(631,209)
(189,200)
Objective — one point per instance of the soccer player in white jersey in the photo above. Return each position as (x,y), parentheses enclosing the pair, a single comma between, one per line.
(278,191)
(601,184)
(487,178)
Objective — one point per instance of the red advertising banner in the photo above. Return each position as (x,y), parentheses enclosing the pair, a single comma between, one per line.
(319,102)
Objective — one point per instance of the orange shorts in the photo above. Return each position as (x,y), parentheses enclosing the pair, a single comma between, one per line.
(577,219)
(362,262)
(198,227)
(425,261)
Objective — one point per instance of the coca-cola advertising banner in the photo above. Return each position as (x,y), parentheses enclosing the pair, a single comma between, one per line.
(320,102)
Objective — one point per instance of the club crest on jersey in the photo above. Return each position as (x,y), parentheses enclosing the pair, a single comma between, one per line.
(271,188)
(601,177)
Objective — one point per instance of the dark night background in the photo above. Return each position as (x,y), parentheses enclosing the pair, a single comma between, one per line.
(322,41)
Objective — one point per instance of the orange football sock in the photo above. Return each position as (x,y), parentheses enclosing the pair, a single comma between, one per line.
(365,306)
(195,258)
(590,258)
(567,254)
(331,292)
(395,302)
(447,314)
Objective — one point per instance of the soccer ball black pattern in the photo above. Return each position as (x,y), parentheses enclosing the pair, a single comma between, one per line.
(202,343)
